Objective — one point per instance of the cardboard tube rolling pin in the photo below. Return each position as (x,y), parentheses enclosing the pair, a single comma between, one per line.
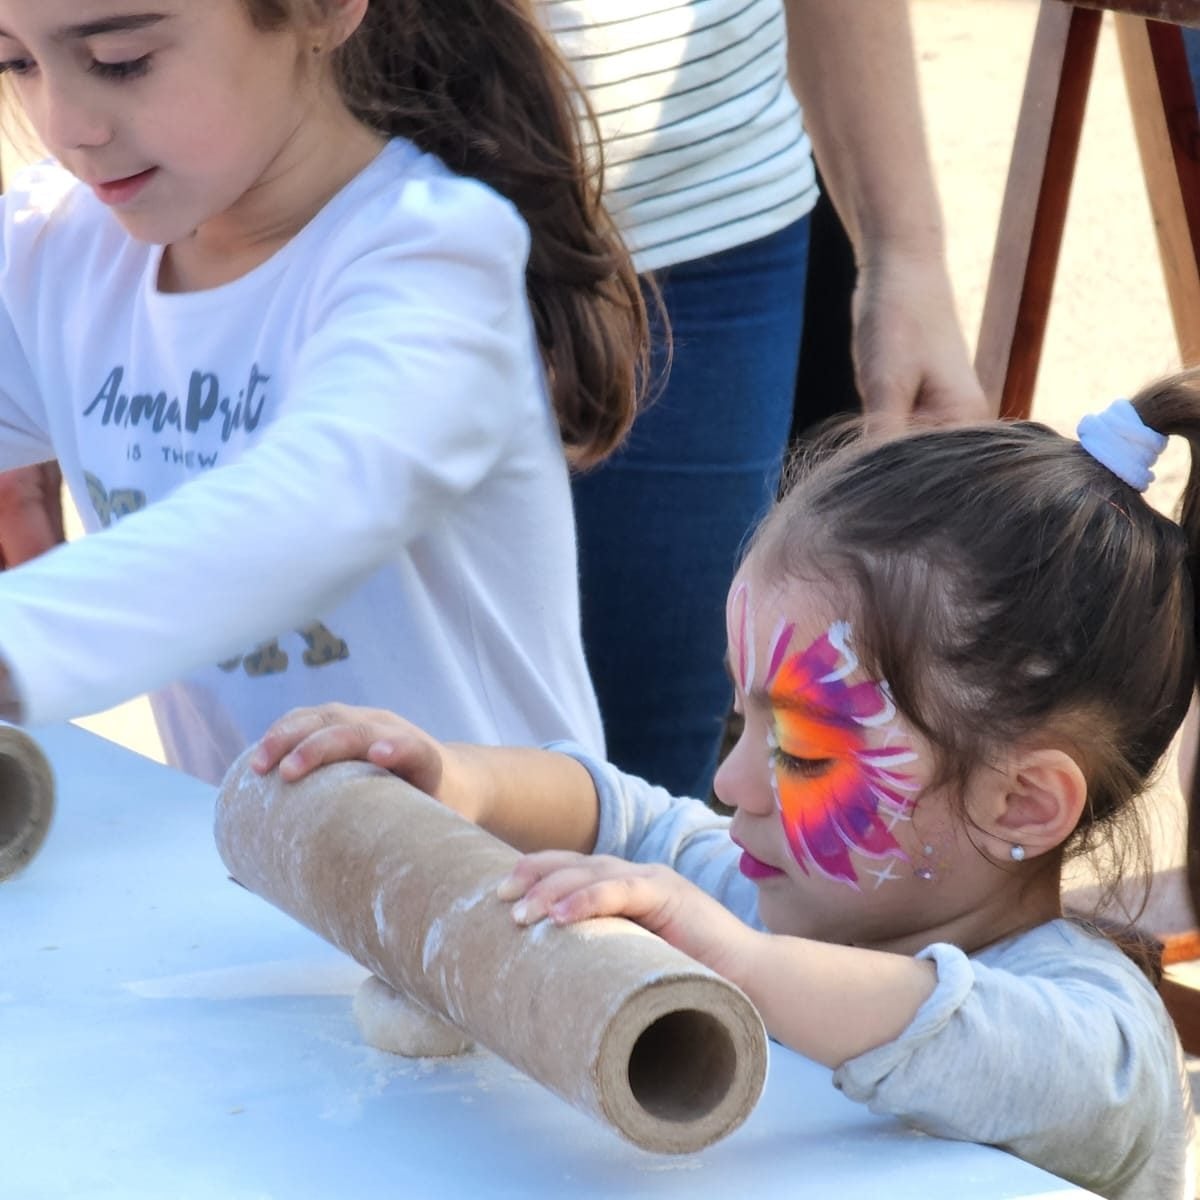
(612,1018)
(26,799)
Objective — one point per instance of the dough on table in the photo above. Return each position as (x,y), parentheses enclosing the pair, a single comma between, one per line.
(392,1022)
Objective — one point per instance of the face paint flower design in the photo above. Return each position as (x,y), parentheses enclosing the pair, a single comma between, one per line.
(835,792)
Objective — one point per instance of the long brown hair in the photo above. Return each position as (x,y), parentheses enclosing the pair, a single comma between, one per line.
(1010,587)
(480,85)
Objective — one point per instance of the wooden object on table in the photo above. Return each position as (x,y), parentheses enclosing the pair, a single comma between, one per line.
(1045,148)
(613,1019)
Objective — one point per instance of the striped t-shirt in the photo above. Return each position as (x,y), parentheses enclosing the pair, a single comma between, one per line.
(704,144)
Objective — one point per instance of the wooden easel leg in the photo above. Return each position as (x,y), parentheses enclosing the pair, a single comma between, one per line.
(1035,204)
(1163,103)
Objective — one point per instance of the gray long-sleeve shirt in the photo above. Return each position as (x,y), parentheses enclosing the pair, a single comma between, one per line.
(1051,1044)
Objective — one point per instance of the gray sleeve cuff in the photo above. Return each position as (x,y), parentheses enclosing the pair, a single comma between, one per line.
(859,1077)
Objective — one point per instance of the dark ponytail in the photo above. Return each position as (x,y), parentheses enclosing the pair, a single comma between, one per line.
(1172,406)
(480,85)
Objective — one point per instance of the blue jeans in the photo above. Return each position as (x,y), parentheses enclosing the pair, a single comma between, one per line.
(662,523)
(1191,43)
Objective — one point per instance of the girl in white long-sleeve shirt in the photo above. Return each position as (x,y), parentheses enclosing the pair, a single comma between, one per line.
(306,305)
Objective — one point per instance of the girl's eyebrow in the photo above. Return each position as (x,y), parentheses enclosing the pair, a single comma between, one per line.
(783,702)
(762,698)
(125,24)
(102,25)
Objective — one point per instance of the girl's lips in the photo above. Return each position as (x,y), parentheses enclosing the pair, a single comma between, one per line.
(122,191)
(754,868)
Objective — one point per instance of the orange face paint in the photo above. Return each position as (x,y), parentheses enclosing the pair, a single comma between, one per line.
(836,793)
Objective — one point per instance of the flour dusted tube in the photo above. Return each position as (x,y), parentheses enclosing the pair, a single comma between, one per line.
(26,799)
(617,1022)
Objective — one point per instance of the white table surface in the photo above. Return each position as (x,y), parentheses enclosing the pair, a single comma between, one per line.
(165,1034)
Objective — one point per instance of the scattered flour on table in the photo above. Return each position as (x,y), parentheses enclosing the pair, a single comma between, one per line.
(256,980)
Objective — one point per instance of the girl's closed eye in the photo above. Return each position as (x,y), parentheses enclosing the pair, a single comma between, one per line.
(794,764)
(132,68)
(16,66)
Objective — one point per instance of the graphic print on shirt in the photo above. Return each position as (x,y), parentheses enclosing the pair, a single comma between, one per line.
(271,659)
(835,792)
(322,645)
(207,406)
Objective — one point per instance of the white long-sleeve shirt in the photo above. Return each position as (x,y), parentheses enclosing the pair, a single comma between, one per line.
(336,478)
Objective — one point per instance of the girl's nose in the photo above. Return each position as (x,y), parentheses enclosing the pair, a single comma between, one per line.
(743,780)
(66,119)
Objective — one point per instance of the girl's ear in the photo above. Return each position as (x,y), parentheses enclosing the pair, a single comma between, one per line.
(1035,804)
(343,17)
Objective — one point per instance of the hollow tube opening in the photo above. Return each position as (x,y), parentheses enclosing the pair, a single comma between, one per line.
(682,1065)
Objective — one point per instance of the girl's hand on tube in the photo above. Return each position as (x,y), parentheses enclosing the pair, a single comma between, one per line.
(565,887)
(307,738)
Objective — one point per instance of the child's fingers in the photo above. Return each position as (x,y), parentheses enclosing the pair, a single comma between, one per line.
(531,868)
(284,735)
(572,887)
(336,743)
(415,759)
(307,738)
(626,896)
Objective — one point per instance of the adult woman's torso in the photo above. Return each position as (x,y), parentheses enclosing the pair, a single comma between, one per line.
(704,145)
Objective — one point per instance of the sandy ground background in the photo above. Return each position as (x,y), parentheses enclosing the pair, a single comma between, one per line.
(1109,329)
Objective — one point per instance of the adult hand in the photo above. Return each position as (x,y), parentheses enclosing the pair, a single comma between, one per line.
(31,514)
(868,135)
(909,353)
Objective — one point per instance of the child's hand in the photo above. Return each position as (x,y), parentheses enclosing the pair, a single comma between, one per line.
(829,1002)
(529,798)
(307,738)
(567,887)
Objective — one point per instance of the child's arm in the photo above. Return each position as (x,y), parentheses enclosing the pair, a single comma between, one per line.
(831,1003)
(240,514)
(1055,1049)
(532,799)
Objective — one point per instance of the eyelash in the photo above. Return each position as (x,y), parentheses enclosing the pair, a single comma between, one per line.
(809,768)
(133,68)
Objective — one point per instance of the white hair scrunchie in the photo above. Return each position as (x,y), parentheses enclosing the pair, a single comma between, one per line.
(1118,438)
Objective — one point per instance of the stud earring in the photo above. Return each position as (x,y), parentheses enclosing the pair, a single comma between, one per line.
(1016,853)
(926,872)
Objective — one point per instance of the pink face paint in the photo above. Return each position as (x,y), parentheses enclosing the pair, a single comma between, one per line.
(779,644)
(835,793)
(741,636)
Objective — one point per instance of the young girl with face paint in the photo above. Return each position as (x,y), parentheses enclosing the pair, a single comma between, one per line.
(959,656)
(306,305)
